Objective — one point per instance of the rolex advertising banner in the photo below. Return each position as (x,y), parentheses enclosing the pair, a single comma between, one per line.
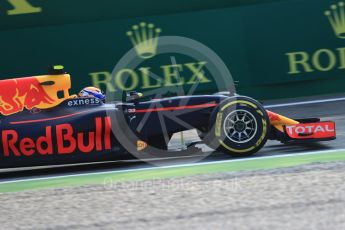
(274,49)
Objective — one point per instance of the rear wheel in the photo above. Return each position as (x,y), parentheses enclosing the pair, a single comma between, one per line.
(239,127)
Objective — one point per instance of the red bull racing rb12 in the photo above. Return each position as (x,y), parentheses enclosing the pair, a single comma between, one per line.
(42,124)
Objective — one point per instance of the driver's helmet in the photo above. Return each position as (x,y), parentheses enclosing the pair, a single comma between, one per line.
(92,92)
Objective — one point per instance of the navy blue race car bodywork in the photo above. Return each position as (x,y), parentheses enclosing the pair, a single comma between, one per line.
(80,129)
(41,124)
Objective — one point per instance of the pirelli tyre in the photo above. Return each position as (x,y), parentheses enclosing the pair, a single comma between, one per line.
(239,126)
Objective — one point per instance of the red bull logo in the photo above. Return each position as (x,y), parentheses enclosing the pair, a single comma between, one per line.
(30,92)
(59,139)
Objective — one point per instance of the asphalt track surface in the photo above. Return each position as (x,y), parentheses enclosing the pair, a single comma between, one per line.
(302,197)
(334,111)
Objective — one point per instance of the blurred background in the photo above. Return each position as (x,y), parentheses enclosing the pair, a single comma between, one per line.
(274,48)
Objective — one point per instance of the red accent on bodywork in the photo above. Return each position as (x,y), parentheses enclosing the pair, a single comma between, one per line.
(27,146)
(317,130)
(9,144)
(273,116)
(86,148)
(46,119)
(107,131)
(47,147)
(176,108)
(64,133)
(98,133)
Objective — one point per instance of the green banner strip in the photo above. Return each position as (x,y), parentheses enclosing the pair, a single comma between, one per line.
(110,178)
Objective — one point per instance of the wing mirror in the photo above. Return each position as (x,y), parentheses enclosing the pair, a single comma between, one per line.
(133,96)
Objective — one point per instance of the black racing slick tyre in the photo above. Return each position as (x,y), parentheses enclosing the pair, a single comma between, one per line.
(239,126)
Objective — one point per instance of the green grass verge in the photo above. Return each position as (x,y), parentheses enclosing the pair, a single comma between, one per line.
(161,173)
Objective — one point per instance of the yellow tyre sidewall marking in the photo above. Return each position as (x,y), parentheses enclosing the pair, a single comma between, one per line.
(218,127)
(238,102)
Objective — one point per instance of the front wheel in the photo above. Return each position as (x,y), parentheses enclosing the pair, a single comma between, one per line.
(239,126)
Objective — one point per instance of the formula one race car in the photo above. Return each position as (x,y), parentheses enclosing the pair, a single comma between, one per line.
(42,124)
